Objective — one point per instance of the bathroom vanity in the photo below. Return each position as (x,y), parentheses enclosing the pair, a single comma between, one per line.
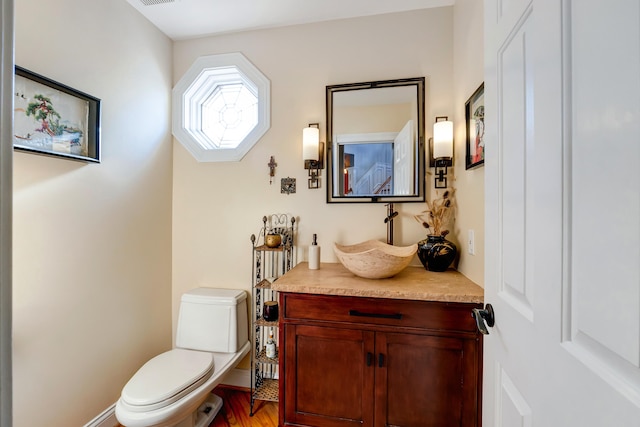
(403,351)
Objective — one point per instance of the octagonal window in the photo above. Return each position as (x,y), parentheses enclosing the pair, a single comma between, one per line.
(221,107)
(229,114)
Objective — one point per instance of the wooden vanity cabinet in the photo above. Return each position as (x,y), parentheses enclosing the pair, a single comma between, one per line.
(355,361)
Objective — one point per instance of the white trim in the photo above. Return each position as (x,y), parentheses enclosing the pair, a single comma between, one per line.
(238,378)
(106,419)
(369,138)
(186,98)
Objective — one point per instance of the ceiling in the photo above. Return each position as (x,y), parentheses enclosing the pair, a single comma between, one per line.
(185,19)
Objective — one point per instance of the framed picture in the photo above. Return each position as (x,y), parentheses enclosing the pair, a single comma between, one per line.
(55,120)
(474,113)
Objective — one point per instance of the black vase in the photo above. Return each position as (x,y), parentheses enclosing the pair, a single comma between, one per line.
(436,253)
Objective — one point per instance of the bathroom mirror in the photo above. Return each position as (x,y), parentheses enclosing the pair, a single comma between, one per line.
(375,141)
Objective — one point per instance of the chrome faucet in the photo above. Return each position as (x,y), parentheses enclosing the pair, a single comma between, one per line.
(391,214)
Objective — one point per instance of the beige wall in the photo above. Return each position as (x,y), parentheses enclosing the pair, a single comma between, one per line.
(468,74)
(92,242)
(94,275)
(217,206)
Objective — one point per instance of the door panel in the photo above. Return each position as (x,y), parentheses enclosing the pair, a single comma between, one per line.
(602,110)
(516,146)
(565,350)
(403,170)
(513,409)
(604,119)
(507,9)
(509,184)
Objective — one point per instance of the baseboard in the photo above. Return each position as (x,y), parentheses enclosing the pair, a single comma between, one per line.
(106,419)
(240,378)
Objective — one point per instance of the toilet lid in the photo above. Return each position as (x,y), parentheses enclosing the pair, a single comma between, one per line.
(168,377)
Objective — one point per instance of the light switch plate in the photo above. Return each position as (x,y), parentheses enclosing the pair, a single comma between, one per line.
(471,243)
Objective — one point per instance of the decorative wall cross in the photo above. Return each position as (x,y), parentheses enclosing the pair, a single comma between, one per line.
(272,169)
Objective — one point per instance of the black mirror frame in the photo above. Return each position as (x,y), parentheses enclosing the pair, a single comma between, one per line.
(419,82)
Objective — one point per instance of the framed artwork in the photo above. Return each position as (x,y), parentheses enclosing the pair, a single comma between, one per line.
(474,113)
(55,120)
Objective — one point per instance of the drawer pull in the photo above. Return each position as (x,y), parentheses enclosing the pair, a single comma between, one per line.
(377,315)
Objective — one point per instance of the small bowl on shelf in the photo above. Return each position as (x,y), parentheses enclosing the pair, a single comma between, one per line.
(272,240)
(374,259)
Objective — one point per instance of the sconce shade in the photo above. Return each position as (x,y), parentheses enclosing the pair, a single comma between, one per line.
(443,139)
(310,143)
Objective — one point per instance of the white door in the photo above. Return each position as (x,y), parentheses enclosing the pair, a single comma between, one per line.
(403,149)
(562,182)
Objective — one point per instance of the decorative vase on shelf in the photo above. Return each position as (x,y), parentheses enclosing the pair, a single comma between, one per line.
(436,253)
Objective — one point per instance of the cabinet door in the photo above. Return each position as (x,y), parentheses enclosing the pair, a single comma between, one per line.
(329,376)
(424,381)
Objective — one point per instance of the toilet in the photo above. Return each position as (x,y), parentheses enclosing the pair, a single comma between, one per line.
(174,388)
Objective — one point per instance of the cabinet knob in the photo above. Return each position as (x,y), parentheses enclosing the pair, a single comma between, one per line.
(369,358)
(484,317)
(380,360)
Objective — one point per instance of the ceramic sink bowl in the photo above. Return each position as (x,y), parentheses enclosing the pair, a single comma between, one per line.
(374,259)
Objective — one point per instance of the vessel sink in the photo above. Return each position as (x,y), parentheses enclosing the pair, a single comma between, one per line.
(374,259)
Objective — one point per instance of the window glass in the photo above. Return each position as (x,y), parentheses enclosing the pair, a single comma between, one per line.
(221,107)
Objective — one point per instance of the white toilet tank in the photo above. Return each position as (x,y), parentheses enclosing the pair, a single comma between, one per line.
(213,320)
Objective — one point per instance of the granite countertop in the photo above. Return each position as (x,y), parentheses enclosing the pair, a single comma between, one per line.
(412,283)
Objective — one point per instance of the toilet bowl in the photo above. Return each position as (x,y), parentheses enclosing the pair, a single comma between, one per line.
(174,388)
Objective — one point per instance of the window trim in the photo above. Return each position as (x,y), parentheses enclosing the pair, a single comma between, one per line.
(184,132)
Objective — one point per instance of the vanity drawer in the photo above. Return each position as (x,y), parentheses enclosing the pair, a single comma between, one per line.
(379,311)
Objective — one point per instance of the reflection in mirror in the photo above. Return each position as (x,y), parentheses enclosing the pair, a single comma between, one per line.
(375,133)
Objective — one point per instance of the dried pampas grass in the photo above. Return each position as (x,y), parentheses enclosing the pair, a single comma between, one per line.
(438,214)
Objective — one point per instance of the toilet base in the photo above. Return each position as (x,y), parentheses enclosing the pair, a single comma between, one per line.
(208,410)
(205,413)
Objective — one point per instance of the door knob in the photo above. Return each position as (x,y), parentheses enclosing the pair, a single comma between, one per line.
(484,317)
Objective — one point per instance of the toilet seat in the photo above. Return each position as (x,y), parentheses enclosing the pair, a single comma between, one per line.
(167,378)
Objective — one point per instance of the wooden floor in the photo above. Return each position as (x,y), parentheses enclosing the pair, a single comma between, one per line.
(235,411)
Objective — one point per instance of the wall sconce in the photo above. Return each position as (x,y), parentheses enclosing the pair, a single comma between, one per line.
(442,149)
(313,153)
